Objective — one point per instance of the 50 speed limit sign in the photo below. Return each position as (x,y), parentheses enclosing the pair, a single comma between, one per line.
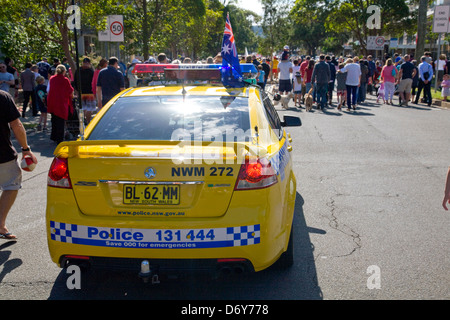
(114,29)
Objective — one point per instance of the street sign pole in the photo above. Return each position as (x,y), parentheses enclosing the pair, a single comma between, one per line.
(437,63)
(440,26)
(78,83)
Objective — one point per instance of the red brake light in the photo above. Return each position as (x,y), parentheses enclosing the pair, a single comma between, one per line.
(253,172)
(256,174)
(58,175)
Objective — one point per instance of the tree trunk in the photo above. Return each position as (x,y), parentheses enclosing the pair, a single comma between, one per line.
(67,52)
(145,30)
(421,28)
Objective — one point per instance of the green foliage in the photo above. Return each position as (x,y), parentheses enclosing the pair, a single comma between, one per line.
(308,26)
(33,29)
(276,25)
(331,23)
(351,16)
(21,39)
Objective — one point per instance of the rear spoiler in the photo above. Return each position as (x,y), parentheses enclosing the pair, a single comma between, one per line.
(174,150)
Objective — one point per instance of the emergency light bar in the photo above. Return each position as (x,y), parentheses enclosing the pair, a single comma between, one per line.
(160,68)
(188,72)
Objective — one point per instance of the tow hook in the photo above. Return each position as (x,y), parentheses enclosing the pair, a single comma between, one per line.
(148,272)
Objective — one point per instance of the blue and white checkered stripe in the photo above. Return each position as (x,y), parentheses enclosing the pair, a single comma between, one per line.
(151,238)
(62,232)
(280,161)
(244,236)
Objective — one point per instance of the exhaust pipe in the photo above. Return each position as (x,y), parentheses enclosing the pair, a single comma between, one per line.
(238,269)
(225,270)
(229,269)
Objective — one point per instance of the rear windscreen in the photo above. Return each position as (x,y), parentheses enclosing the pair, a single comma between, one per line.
(174,118)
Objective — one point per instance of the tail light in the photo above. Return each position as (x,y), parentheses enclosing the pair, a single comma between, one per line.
(256,174)
(58,175)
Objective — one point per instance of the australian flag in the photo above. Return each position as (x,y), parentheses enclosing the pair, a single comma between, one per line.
(231,68)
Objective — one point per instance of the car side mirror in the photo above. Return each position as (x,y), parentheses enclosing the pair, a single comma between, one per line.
(289,121)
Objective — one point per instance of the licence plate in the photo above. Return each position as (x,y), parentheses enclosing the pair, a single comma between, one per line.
(153,194)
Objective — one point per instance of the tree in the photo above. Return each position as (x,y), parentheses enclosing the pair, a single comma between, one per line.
(46,21)
(242,27)
(275,25)
(32,29)
(351,16)
(308,20)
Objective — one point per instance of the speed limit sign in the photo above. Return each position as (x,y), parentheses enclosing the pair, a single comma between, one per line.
(379,41)
(114,31)
(116,28)
(375,43)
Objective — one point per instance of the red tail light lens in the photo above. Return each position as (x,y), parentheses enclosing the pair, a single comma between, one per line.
(256,174)
(253,172)
(58,175)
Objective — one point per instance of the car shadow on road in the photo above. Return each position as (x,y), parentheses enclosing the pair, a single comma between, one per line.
(298,282)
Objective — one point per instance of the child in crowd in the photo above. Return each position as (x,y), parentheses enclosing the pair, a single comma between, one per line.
(445,84)
(381,92)
(40,92)
(341,87)
(297,89)
(260,77)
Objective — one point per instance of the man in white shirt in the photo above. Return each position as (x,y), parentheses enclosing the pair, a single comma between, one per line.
(285,68)
(353,82)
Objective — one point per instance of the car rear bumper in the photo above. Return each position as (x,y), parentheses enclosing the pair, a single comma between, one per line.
(270,220)
(176,267)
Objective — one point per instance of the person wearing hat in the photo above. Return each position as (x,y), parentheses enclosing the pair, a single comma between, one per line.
(285,55)
(162,58)
(132,78)
(87,95)
(285,69)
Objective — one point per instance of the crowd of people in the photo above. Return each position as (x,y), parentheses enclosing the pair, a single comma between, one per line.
(50,88)
(349,79)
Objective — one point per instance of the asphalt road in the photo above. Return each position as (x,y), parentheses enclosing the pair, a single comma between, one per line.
(368,224)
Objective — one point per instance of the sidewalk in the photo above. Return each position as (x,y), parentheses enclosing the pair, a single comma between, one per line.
(441,104)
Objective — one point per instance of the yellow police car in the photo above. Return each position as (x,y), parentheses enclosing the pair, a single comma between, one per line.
(173,177)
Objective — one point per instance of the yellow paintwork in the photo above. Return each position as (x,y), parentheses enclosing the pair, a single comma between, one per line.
(90,161)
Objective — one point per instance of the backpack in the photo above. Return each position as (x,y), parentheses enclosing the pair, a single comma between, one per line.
(394,71)
(42,68)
